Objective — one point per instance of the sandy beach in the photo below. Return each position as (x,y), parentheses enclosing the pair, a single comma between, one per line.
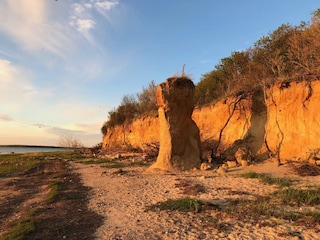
(124,197)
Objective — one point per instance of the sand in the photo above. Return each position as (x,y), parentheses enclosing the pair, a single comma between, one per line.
(123,200)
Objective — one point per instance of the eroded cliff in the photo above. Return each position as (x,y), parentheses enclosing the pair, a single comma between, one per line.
(280,121)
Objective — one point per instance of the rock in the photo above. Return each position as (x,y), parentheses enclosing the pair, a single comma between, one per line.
(312,161)
(179,135)
(240,155)
(244,163)
(221,170)
(224,166)
(231,164)
(205,166)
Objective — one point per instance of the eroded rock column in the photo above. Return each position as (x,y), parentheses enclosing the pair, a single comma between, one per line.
(179,135)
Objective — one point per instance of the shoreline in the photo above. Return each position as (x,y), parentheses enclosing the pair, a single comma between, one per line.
(21,149)
(27,146)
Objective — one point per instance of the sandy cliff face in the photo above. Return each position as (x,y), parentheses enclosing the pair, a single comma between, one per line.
(139,134)
(282,121)
(293,125)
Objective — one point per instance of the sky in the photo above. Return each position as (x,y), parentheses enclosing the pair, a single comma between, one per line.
(64,64)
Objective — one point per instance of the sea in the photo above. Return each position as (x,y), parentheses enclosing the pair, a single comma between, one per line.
(29,149)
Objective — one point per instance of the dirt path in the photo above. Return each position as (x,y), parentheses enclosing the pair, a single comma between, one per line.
(122,198)
(28,205)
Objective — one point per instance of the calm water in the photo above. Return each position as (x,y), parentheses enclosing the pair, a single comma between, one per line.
(28,149)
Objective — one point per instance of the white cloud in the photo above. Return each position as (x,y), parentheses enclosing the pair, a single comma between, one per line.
(5,118)
(63,131)
(105,5)
(39,25)
(84,25)
(29,24)
(82,20)
(87,5)
(14,84)
(78,9)
(82,17)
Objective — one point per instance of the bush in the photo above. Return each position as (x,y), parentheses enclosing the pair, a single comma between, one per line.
(132,107)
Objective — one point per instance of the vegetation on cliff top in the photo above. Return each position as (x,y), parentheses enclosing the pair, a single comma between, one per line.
(289,53)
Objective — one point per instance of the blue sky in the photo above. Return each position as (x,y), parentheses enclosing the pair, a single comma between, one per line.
(64,64)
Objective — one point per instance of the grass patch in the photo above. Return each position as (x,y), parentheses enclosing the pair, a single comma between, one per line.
(55,187)
(262,208)
(314,215)
(138,164)
(268,179)
(277,206)
(96,161)
(15,163)
(20,230)
(244,208)
(299,197)
(68,155)
(113,165)
(185,204)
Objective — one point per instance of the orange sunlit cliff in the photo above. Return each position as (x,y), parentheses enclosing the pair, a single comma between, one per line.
(282,121)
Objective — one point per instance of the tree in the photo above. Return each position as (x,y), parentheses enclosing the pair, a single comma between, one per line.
(210,87)
(125,112)
(147,101)
(273,51)
(315,19)
(305,49)
(69,141)
(104,128)
(128,108)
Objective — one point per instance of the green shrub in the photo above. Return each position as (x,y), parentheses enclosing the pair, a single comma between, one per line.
(299,196)
(185,204)
(268,179)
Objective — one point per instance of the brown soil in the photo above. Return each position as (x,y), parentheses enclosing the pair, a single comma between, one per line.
(26,197)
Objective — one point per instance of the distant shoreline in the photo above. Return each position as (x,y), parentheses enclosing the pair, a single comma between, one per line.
(15,148)
(31,146)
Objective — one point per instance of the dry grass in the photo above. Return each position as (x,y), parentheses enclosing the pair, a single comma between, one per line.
(185,204)
(306,169)
(189,187)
